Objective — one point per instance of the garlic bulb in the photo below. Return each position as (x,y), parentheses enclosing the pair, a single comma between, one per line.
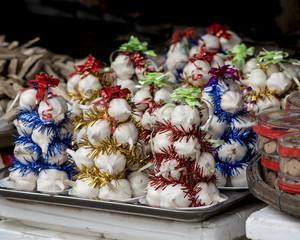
(279,82)
(127,83)
(162,94)
(268,103)
(83,189)
(234,151)
(272,68)
(183,116)
(74,108)
(50,180)
(250,65)
(116,190)
(189,147)
(148,120)
(123,67)
(119,109)
(233,40)
(142,98)
(153,195)
(79,135)
(139,182)
(21,128)
(88,85)
(232,102)
(161,141)
(98,132)
(240,179)
(194,50)
(112,163)
(174,197)
(207,162)
(211,42)
(196,73)
(59,158)
(208,194)
(80,157)
(42,139)
(126,133)
(175,61)
(57,113)
(164,113)
(216,128)
(72,83)
(257,80)
(27,99)
(22,181)
(217,61)
(168,169)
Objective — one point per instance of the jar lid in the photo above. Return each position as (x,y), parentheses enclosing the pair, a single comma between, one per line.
(274,124)
(289,145)
(293,101)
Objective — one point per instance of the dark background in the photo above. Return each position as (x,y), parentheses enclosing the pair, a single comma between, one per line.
(81,27)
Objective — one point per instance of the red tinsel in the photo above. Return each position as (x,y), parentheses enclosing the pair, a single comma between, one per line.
(178,35)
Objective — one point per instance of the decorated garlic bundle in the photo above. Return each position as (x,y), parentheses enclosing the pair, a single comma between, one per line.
(110,149)
(183,157)
(230,124)
(45,133)
(270,82)
(133,59)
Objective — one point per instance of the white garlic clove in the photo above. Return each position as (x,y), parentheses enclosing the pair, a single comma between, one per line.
(208,194)
(84,190)
(53,108)
(22,181)
(269,103)
(139,182)
(50,180)
(211,42)
(28,99)
(98,132)
(116,190)
(196,72)
(73,108)
(80,134)
(207,162)
(279,82)
(183,116)
(216,128)
(123,67)
(81,157)
(59,158)
(257,80)
(232,102)
(161,141)
(112,163)
(189,147)
(72,83)
(126,133)
(153,195)
(119,109)
(194,50)
(142,98)
(239,179)
(88,85)
(174,197)
(272,68)
(234,151)
(168,169)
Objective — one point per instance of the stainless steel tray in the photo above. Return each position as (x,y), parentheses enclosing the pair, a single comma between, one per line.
(234,198)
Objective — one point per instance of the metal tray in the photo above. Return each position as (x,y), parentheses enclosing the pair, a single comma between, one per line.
(234,198)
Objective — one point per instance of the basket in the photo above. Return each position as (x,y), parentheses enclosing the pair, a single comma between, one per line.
(285,202)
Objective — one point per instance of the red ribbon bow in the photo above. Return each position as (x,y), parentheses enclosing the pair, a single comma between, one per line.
(114,92)
(178,35)
(203,55)
(90,66)
(43,83)
(219,31)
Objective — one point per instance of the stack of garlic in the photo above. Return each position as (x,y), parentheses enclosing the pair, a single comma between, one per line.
(84,88)
(45,132)
(133,59)
(269,78)
(230,123)
(111,150)
(184,167)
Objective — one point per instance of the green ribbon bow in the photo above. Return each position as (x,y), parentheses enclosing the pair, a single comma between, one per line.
(190,95)
(239,54)
(277,57)
(135,45)
(157,78)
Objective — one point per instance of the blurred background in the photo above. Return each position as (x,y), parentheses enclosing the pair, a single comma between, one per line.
(81,27)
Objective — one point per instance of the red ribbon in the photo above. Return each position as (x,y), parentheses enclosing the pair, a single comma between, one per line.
(178,35)
(137,59)
(289,188)
(203,55)
(219,31)
(288,151)
(90,66)
(109,93)
(270,164)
